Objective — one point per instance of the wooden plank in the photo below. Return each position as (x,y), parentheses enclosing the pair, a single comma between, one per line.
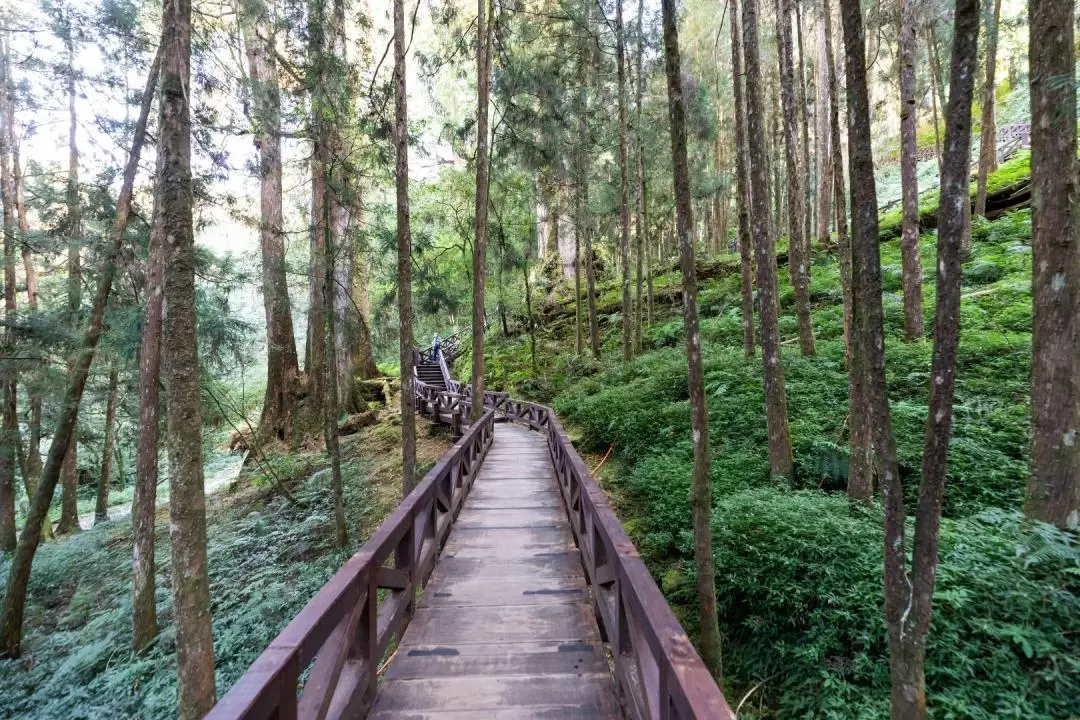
(436,661)
(482,694)
(515,591)
(505,624)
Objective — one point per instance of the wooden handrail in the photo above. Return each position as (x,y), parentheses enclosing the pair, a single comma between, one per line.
(366,605)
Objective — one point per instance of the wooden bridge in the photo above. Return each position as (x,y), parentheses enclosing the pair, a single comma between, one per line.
(503,586)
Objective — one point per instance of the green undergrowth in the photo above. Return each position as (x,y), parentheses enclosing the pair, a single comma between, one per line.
(798,571)
(1013,174)
(267,557)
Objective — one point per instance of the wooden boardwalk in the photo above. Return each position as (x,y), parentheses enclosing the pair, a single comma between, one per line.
(505,627)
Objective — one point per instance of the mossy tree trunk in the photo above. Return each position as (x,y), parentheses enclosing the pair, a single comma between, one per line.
(701,485)
(1054,476)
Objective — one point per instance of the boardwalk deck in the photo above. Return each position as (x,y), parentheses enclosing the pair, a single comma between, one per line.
(505,627)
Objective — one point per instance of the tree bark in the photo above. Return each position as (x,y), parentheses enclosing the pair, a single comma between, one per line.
(701,485)
(483,71)
(69,499)
(639,141)
(144,505)
(404,255)
(101,508)
(14,604)
(860,484)
(11,436)
(909,632)
(1054,476)
(801,94)
(187,493)
(780,459)
(742,182)
(282,365)
(624,188)
(909,237)
(988,141)
(330,402)
(823,144)
(798,262)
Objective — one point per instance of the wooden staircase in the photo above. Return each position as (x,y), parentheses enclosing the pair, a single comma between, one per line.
(430,373)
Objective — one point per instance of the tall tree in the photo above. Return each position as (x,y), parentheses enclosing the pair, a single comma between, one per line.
(9,439)
(639,193)
(584,225)
(624,188)
(404,254)
(988,135)
(101,507)
(144,625)
(14,604)
(330,402)
(742,182)
(909,236)
(282,365)
(860,485)
(798,262)
(483,72)
(780,459)
(1054,476)
(908,595)
(801,94)
(701,485)
(822,138)
(187,493)
(69,505)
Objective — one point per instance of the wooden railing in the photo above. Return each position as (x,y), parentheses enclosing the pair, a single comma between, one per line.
(451,347)
(348,626)
(342,635)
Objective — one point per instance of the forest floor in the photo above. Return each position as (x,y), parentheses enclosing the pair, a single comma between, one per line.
(798,569)
(267,558)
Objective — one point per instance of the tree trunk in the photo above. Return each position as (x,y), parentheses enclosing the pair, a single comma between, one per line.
(330,402)
(804,126)
(364,366)
(33,450)
(144,505)
(624,188)
(322,162)
(988,141)
(14,605)
(798,262)
(404,255)
(101,508)
(908,631)
(823,141)
(1054,476)
(69,500)
(483,71)
(701,485)
(780,460)
(909,238)
(187,493)
(282,365)
(11,437)
(742,182)
(639,141)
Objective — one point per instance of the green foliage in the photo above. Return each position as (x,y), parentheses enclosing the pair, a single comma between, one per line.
(799,584)
(266,562)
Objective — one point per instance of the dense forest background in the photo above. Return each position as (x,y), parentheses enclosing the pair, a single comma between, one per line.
(227,224)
